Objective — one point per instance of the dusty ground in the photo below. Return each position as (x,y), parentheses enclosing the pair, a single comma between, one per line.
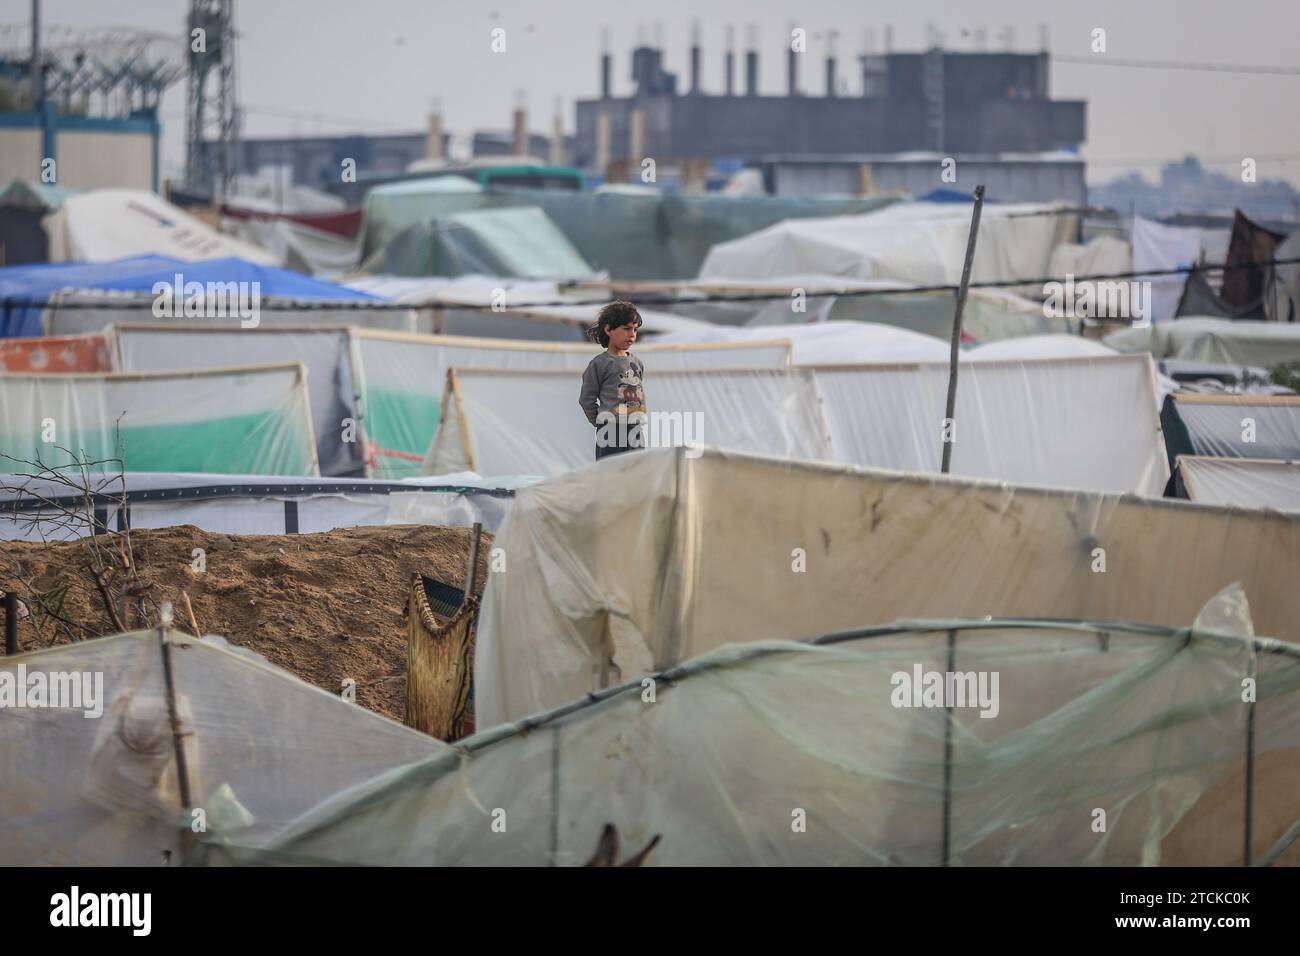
(323,606)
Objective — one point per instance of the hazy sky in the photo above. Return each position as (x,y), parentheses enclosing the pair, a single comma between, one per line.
(376,65)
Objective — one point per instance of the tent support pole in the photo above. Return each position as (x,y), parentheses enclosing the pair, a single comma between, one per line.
(947,754)
(1250,783)
(178,743)
(949,432)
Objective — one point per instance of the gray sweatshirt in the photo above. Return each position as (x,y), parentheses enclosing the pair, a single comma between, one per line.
(612,383)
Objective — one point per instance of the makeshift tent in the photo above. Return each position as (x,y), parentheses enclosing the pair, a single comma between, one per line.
(1240,482)
(57,353)
(105,224)
(36,283)
(251,419)
(1067,423)
(1199,298)
(22,207)
(260,747)
(1250,252)
(1264,344)
(924,243)
(500,421)
(1282,291)
(1040,347)
(830,343)
(519,243)
(1231,426)
(1157,248)
(324,351)
(1100,255)
(740,745)
(400,380)
(391,209)
(249,504)
(301,247)
(654,557)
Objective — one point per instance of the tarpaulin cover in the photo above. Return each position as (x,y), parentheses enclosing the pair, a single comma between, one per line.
(530,423)
(324,352)
(252,420)
(105,224)
(1158,247)
(1243,482)
(1250,250)
(1232,426)
(253,504)
(57,353)
(1039,347)
(521,243)
(1264,344)
(36,283)
(401,378)
(1282,291)
(783,753)
(261,747)
(1068,423)
(651,558)
(1199,298)
(1101,255)
(924,243)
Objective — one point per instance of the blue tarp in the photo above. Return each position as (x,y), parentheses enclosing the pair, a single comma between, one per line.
(138,274)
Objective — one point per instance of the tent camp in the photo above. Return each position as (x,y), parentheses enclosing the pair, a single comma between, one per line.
(718,761)
(249,419)
(518,243)
(924,243)
(1066,423)
(246,504)
(1214,340)
(323,351)
(1074,423)
(400,381)
(649,559)
(1231,426)
(1245,482)
(501,421)
(105,224)
(260,748)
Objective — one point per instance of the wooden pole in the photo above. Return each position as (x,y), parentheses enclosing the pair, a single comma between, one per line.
(472,574)
(178,733)
(949,433)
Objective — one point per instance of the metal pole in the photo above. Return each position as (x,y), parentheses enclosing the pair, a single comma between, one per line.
(38,73)
(949,435)
(11,623)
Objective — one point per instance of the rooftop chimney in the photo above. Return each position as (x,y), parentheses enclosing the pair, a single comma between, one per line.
(606,63)
(791,65)
(751,60)
(695,57)
(830,62)
(731,60)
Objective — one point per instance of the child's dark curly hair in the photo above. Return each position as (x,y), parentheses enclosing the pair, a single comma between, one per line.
(611,317)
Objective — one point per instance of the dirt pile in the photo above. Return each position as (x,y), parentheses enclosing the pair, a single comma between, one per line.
(325,607)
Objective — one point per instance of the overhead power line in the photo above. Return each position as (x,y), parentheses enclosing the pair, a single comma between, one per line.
(1103,59)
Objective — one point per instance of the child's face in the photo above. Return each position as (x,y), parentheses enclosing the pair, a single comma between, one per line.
(621,337)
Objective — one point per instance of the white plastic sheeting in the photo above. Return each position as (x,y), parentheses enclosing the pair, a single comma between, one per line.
(1159,247)
(1224,341)
(924,243)
(830,343)
(252,419)
(647,559)
(1039,347)
(400,379)
(1244,482)
(261,747)
(106,224)
(324,352)
(529,423)
(1101,255)
(1067,423)
(251,504)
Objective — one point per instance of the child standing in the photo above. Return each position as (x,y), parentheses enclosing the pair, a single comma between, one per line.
(612,397)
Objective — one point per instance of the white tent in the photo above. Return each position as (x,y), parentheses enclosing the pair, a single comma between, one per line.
(497,421)
(1243,482)
(1039,347)
(106,224)
(830,343)
(924,243)
(645,560)
(249,419)
(260,748)
(400,379)
(249,504)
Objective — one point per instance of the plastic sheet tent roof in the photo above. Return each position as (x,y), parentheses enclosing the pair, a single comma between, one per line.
(1232,426)
(1070,423)
(1213,340)
(1243,482)
(779,753)
(261,747)
(651,558)
(250,419)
